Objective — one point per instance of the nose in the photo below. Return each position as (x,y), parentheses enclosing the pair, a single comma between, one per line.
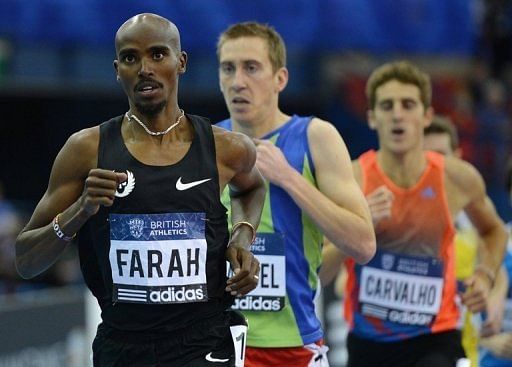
(145,67)
(239,80)
(397,111)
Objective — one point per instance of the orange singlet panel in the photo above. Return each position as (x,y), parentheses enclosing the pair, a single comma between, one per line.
(409,287)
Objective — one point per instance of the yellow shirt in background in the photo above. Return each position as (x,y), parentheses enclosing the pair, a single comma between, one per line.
(466,244)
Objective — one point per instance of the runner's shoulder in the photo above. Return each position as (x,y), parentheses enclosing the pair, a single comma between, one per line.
(234,149)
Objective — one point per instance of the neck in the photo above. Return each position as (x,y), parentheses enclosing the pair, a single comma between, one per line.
(258,128)
(403,169)
(156,125)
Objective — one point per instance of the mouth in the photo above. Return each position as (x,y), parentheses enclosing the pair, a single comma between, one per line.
(397,131)
(239,101)
(147,88)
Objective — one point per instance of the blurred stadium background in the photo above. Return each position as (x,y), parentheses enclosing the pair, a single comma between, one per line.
(56,77)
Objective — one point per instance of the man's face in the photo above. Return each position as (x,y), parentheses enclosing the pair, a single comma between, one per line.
(438,142)
(247,81)
(399,116)
(148,65)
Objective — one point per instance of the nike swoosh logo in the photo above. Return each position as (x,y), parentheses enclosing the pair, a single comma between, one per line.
(185,186)
(209,358)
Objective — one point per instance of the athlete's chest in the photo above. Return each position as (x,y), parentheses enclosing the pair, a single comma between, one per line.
(158,155)
(154,190)
(419,220)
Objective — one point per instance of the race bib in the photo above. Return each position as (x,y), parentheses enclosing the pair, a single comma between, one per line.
(270,293)
(158,258)
(402,289)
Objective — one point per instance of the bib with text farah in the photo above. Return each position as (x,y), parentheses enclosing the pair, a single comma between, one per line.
(158,258)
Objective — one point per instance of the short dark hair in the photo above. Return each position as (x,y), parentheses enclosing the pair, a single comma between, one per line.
(403,71)
(443,125)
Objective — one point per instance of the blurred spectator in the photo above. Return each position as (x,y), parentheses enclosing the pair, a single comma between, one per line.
(65,271)
(497,35)
(10,226)
(494,129)
(441,136)
(497,349)
(5,54)
(466,123)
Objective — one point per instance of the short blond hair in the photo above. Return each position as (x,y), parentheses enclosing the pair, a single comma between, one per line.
(275,44)
(404,72)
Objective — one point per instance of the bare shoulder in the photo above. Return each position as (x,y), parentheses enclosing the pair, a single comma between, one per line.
(324,138)
(464,177)
(71,166)
(79,154)
(327,146)
(319,130)
(86,140)
(234,150)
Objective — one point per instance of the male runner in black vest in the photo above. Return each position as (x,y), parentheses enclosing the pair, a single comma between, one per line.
(142,191)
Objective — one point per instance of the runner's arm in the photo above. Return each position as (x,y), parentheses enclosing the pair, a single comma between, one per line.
(337,206)
(247,192)
(469,186)
(332,262)
(37,246)
(482,213)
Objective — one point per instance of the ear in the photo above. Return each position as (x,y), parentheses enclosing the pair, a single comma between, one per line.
(183,63)
(116,68)
(372,122)
(282,79)
(429,116)
(458,153)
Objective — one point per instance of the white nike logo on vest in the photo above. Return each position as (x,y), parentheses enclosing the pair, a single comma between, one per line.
(185,186)
(209,358)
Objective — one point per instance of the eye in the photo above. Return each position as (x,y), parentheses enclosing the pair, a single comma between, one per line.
(158,56)
(409,104)
(227,69)
(128,58)
(252,68)
(386,105)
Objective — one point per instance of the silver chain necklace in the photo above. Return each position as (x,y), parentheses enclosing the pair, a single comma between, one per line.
(157,133)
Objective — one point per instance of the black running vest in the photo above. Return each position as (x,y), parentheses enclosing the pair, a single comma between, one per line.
(166,229)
